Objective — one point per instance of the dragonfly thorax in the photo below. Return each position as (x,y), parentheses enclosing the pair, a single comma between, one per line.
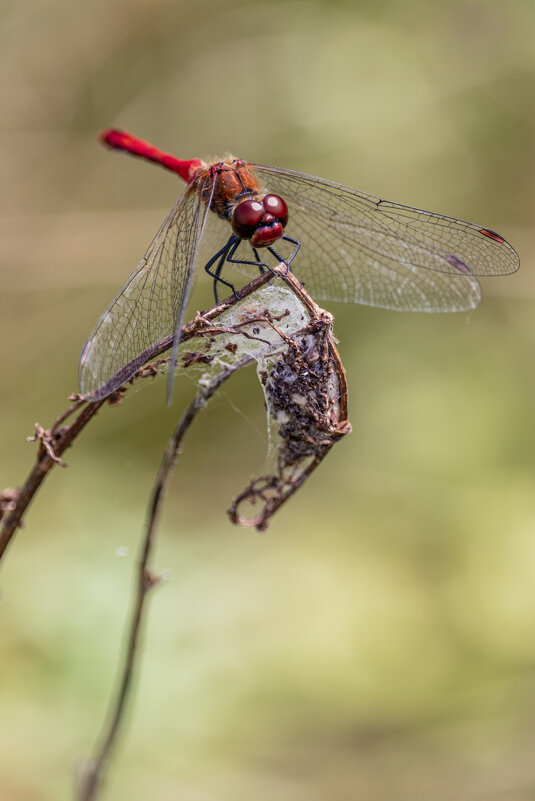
(261,220)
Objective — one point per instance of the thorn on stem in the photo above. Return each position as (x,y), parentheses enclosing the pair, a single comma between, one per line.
(47,441)
(150,580)
(8,500)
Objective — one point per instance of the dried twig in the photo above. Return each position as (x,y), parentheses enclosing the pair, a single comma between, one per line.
(91,779)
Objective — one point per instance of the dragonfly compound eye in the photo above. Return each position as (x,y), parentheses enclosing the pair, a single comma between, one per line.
(276,206)
(246,218)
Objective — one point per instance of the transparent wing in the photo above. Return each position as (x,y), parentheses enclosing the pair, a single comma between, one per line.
(362,249)
(151,303)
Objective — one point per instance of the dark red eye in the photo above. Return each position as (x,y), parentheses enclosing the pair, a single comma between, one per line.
(246,217)
(275,205)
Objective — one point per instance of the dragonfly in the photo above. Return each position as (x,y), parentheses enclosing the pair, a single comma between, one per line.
(341,243)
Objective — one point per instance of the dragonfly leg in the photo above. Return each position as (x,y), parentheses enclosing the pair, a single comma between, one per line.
(258,263)
(297,244)
(222,255)
(227,253)
(286,262)
(280,259)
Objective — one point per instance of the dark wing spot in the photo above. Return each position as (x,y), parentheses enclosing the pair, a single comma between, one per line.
(456,262)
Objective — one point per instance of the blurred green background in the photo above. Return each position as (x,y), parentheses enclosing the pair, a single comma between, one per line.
(378,643)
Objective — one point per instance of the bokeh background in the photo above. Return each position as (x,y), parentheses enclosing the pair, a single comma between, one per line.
(378,643)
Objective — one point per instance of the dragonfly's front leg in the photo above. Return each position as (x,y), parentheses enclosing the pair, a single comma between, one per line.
(262,266)
(287,262)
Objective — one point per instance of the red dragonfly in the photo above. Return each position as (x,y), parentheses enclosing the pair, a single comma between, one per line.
(347,245)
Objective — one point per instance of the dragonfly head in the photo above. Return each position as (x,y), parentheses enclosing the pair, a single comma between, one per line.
(260,221)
